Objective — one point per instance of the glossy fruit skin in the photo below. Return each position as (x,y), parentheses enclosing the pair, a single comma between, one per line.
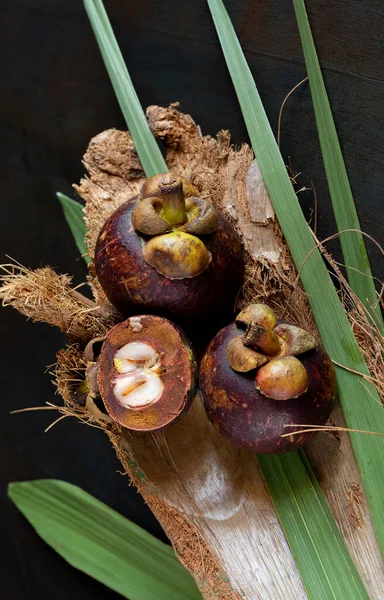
(129,281)
(250,419)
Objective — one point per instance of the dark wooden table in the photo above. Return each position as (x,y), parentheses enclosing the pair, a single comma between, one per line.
(55,95)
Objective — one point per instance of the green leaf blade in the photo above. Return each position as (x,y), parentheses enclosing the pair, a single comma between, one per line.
(98,541)
(73,213)
(325,566)
(352,243)
(146,146)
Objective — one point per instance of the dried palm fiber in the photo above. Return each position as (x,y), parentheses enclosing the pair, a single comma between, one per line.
(209,496)
(43,295)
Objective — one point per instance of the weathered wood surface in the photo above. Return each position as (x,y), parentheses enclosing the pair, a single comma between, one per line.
(255,218)
(220,489)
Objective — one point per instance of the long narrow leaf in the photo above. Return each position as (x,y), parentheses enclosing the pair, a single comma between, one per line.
(360,401)
(97,540)
(73,212)
(149,152)
(325,566)
(353,246)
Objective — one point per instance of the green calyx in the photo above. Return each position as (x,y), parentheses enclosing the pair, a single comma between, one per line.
(171,213)
(271,349)
(168,202)
(177,255)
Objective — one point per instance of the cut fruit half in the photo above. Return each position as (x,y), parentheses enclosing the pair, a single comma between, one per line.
(147,373)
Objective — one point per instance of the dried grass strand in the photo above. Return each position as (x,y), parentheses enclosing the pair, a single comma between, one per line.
(43,295)
(313,428)
(282,107)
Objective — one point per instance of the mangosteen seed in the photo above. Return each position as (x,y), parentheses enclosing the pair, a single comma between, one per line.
(138,382)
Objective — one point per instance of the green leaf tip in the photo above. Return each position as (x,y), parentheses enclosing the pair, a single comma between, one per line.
(73,213)
(102,543)
(318,548)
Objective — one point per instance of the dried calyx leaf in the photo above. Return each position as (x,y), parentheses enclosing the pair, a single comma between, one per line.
(92,349)
(262,314)
(241,358)
(146,217)
(90,385)
(169,210)
(91,379)
(161,206)
(170,202)
(153,186)
(202,217)
(263,339)
(295,340)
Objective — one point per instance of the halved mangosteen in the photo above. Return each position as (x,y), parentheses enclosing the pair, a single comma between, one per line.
(259,375)
(146,373)
(170,251)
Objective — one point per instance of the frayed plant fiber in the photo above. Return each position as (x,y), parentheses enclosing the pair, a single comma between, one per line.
(43,295)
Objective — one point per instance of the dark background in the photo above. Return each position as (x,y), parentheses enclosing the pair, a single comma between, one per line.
(55,95)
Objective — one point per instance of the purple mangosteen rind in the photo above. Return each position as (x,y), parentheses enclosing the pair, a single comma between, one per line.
(129,281)
(251,420)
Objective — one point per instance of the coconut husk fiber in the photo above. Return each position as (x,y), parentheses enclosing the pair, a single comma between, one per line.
(209,496)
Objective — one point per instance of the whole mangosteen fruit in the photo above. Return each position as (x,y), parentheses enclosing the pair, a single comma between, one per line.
(169,251)
(146,373)
(259,375)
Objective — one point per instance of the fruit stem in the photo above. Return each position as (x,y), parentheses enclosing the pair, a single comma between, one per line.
(173,203)
(262,339)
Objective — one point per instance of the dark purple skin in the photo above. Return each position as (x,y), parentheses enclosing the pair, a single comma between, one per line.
(129,281)
(250,419)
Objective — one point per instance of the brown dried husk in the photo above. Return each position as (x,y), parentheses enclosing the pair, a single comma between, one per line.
(170,468)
